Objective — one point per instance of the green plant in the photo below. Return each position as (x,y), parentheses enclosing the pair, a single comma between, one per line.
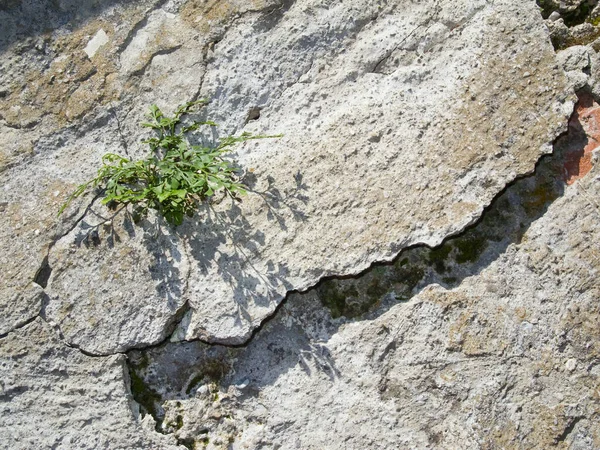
(175,177)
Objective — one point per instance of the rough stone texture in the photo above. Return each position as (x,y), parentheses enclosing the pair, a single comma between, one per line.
(508,358)
(136,264)
(402,120)
(52,396)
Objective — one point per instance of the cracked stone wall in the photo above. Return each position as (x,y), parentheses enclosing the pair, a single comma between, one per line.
(486,341)
(410,130)
(373,99)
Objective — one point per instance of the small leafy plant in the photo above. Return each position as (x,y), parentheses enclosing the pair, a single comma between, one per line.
(175,177)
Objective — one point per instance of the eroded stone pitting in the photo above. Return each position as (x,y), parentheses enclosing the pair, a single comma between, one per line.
(160,388)
(469,339)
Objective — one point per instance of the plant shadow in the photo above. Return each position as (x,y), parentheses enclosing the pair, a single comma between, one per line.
(222,243)
(119,228)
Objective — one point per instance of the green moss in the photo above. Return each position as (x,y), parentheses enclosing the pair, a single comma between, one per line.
(375,290)
(594,21)
(496,221)
(147,397)
(437,257)
(350,298)
(194,383)
(177,424)
(351,291)
(544,193)
(332,298)
(406,279)
(449,280)
(212,370)
(469,248)
(578,15)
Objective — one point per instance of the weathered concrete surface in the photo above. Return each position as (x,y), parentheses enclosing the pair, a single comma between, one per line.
(401,120)
(508,358)
(52,396)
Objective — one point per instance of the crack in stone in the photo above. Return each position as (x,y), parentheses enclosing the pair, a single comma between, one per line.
(18,327)
(545,159)
(42,275)
(526,187)
(568,429)
(120,131)
(140,25)
(44,271)
(167,51)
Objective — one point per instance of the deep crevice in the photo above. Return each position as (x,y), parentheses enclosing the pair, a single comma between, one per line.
(545,160)
(140,25)
(572,18)
(167,51)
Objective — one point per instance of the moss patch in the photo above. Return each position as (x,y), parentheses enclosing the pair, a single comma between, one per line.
(332,298)
(212,370)
(409,276)
(353,298)
(147,397)
(469,248)
(438,256)
(540,197)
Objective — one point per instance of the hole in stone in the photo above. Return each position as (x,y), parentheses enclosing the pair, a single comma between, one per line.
(43,274)
(253,114)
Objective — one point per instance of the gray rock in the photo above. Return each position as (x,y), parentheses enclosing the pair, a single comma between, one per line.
(576,58)
(402,121)
(133,293)
(373,103)
(554,16)
(52,396)
(576,63)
